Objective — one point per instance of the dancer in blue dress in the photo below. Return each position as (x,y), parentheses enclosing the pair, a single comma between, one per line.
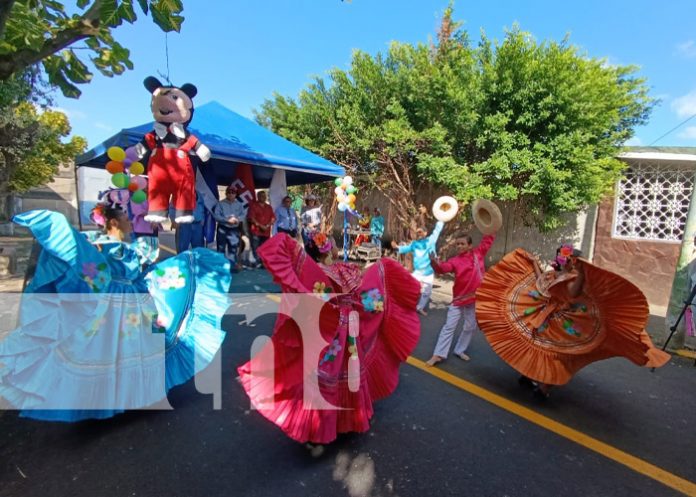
(98,335)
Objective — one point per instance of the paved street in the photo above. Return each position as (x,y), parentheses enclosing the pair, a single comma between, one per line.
(481,436)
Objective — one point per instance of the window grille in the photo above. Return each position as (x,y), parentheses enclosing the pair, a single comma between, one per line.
(652,203)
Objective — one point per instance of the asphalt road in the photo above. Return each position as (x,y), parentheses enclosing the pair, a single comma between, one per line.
(429,438)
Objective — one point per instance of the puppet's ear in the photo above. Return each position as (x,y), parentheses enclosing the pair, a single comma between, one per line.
(190,90)
(151,84)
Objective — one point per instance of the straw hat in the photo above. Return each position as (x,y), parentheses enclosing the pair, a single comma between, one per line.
(487,216)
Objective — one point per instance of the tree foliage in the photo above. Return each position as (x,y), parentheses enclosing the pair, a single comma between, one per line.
(535,123)
(32,136)
(42,31)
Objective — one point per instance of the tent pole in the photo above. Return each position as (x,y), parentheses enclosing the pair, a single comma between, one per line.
(345,236)
(77,196)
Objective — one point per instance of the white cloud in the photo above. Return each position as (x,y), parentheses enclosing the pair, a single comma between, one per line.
(101,125)
(634,142)
(72,114)
(685,106)
(689,133)
(687,49)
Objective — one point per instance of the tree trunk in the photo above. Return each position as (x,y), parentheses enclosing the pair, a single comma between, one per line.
(5,207)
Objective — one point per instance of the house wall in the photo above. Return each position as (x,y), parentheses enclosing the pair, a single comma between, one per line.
(59,196)
(649,265)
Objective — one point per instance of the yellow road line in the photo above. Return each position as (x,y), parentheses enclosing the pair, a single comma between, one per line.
(666,478)
(690,354)
(636,464)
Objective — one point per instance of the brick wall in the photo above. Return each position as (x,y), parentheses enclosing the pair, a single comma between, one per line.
(649,265)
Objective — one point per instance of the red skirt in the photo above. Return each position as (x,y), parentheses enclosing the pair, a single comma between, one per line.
(310,398)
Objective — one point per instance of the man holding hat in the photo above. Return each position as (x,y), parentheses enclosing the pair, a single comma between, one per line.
(421,248)
(229,214)
(468,268)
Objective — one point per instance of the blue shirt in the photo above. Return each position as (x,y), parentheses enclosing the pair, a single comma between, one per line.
(421,250)
(286,218)
(377,226)
(224,209)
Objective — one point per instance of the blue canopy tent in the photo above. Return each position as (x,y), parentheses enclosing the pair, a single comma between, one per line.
(233,139)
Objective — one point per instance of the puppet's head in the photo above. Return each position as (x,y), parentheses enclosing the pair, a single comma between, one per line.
(171,104)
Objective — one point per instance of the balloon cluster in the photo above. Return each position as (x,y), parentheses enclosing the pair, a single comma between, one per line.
(345,194)
(126,172)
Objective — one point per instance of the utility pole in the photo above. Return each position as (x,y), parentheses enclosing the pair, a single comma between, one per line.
(681,284)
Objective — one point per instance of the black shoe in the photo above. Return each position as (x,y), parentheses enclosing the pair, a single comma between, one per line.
(525,382)
(539,394)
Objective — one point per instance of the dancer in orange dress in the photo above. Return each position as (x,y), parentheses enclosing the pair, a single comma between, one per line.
(548,325)
(368,326)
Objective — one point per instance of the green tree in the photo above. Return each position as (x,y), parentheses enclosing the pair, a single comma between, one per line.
(41,31)
(32,138)
(534,123)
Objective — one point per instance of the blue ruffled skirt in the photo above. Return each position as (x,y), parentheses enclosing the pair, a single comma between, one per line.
(98,335)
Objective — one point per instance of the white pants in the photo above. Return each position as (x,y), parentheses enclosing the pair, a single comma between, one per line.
(426,289)
(454,315)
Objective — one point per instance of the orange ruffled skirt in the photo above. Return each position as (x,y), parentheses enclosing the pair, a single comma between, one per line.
(548,336)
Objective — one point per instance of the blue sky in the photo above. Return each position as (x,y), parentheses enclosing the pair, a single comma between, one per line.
(239,52)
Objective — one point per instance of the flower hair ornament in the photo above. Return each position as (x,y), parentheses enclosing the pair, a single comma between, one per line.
(322,242)
(97,215)
(109,199)
(566,253)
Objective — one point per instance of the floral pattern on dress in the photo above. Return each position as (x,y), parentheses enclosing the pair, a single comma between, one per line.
(322,290)
(170,278)
(95,275)
(331,352)
(159,324)
(94,326)
(372,300)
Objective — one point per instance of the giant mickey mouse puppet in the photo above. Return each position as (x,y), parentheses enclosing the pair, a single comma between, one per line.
(170,172)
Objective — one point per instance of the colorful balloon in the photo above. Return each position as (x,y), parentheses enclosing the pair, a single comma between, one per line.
(351,199)
(138,197)
(118,196)
(120,180)
(347,180)
(342,207)
(116,153)
(137,168)
(133,187)
(141,181)
(351,189)
(131,154)
(338,191)
(338,181)
(114,167)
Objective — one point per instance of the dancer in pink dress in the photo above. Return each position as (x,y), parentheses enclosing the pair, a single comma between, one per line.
(367,318)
